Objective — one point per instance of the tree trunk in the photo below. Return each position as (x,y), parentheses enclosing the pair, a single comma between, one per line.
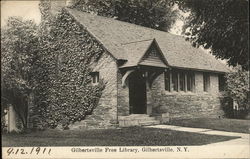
(12,119)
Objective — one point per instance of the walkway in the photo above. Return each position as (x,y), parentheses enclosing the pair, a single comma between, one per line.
(235,148)
(243,140)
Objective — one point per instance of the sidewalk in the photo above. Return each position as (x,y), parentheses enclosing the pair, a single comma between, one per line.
(243,140)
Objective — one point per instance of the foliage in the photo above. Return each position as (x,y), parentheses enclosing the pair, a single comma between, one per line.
(157,14)
(19,43)
(221,25)
(65,94)
(227,106)
(238,87)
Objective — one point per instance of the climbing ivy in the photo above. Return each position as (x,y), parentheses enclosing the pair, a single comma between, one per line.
(64,93)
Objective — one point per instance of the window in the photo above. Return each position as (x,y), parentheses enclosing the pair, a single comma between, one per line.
(167,80)
(95,77)
(182,81)
(175,81)
(222,82)
(179,81)
(152,53)
(206,82)
(190,81)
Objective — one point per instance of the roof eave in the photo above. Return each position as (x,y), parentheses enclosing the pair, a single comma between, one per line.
(202,70)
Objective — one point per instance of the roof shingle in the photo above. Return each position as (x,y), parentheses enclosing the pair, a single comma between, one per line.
(128,41)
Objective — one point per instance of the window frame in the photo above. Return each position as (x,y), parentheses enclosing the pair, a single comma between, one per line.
(167,80)
(190,75)
(177,81)
(182,81)
(95,78)
(206,82)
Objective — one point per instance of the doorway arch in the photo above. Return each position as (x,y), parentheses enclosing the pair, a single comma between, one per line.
(137,93)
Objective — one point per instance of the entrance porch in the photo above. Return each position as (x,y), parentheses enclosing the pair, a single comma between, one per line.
(135,100)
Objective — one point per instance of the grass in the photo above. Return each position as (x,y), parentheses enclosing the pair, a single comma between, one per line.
(133,136)
(231,125)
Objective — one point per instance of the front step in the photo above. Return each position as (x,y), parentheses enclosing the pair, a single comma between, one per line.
(137,120)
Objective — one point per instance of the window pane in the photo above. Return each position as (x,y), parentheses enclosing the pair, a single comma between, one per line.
(95,77)
(167,80)
(206,82)
(153,53)
(190,81)
(182,81)
(175,81)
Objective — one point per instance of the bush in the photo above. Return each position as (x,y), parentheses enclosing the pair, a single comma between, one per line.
(227,106)
(237,89)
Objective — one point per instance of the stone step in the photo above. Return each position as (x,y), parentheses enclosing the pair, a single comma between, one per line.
(135,116)
(124,123)
(137,120)
(146,123)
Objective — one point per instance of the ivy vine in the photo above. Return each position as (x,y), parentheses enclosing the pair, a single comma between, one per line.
(64,93)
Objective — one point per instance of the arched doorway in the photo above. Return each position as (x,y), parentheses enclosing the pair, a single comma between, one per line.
(137,93)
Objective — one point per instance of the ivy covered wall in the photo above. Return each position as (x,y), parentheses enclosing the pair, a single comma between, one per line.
(64,93)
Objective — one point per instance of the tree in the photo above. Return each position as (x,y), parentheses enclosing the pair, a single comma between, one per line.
(221,25)
(19,43)
(238,87)
(157,14)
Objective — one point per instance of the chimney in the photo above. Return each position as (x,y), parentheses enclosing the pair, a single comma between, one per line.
(57,5)
(69,3)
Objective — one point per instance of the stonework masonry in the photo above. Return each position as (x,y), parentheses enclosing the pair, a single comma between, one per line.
(105,114)
(123,97)
(115,98)
(187,104)
(178,104)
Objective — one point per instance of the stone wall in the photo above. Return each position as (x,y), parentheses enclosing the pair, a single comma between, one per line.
(187,104)
(177,104)
(105,114)
(123,97)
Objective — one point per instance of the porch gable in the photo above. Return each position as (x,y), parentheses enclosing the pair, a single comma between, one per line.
(153,57)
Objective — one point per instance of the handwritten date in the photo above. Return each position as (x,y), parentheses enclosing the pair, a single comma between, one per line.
(24,151)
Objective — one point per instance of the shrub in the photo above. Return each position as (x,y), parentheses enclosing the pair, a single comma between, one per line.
(237,88)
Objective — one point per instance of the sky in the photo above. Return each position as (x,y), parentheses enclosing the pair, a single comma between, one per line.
(30,10)
(25,9)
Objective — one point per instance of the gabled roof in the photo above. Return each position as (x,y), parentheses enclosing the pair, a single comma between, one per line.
(138,49)
(126,41)
(135,50)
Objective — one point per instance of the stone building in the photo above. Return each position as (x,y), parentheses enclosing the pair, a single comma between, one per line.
(151,76)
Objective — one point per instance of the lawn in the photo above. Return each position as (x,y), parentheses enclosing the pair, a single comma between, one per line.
(133,136)
(231,125)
